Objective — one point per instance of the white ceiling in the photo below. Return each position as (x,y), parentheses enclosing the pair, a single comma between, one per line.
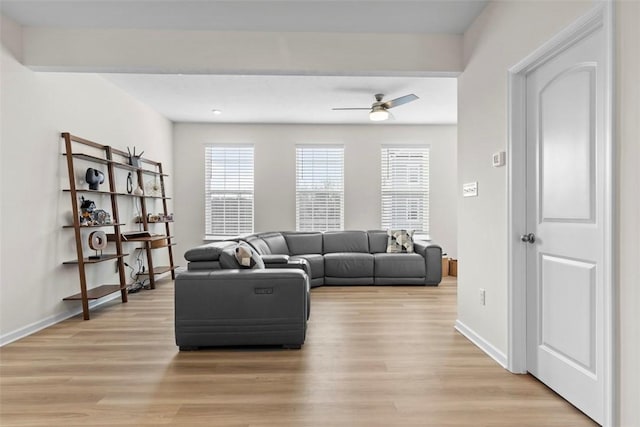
(274,98)
(289,99)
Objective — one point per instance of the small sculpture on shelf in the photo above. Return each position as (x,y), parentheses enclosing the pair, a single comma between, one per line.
(94,178)
(129,183)
(153,188)
(134,159)
(97,242)
(101,217)
(86,211)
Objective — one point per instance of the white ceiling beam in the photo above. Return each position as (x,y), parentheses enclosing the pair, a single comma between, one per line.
(210,52)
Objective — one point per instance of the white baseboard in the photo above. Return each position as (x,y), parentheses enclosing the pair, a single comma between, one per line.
(482,344)
(49,321)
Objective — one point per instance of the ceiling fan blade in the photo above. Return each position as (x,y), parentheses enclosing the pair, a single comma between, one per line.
(353,108)
(400,101)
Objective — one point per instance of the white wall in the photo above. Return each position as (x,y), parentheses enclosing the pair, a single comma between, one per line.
(223,52)
(502,35)
(628,146)
(36,107)
(275,173)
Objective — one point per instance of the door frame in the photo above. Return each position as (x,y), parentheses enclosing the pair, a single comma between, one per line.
(601,16)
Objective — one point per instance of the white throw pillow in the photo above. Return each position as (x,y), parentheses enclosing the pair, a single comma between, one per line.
(399,241)
(247,257)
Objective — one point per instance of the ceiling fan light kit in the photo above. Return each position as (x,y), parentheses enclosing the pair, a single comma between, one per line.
(378,114)
(378,111)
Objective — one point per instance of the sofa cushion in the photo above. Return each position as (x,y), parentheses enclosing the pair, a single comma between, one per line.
(345,241)
(208,252)
(399,265)
(377,241)
(275,242)
(301,243)
(247,257)
(316,264)
(400,241)
(349,281)
(259,245)
(348,264)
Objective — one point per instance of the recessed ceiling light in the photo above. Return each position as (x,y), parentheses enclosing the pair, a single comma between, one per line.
(216,112)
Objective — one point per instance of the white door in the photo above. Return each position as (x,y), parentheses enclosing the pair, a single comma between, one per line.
(565,138)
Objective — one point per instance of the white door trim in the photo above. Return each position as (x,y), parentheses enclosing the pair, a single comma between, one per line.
(600,16)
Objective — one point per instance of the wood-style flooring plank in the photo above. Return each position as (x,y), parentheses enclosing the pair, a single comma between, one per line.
(374,356)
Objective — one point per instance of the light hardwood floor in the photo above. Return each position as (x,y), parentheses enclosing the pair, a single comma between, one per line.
(374,356)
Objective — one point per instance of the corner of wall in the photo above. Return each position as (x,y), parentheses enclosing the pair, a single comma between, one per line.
(11,34)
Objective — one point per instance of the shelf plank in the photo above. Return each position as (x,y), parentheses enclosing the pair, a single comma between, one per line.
(105,257)
(94,226)
(147,239)
(90,158)
(125,166)
(147,171)
(155,222)
(97,292)
(163,246)
(160,270)
(145,196)
(86,190)
(137,169)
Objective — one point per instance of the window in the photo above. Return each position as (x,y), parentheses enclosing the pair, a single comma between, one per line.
(405,188)
(319,188)
(229,189)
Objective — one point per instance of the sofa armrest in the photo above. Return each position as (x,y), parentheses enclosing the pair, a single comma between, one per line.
(275,259)
(432,254)
(208,252)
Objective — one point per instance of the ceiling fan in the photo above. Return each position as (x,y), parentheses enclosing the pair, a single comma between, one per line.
(379,109)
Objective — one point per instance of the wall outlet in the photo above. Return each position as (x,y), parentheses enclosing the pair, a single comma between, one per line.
(483,295)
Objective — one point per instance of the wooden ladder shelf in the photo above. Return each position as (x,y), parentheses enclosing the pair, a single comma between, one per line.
(114,159)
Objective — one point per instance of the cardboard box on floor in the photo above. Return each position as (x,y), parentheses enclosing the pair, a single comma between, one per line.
(445,266)
(453,267)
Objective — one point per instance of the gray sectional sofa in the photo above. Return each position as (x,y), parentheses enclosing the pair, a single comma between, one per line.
(218,303)
(332,258)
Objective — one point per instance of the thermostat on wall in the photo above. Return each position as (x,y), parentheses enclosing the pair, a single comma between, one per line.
(499,159)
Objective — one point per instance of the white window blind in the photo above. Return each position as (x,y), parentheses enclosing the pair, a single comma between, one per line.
(229,189)
(319,188)
(405,188)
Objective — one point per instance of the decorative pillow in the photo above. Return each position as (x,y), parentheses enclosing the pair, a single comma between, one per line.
(247,257)
(399,241)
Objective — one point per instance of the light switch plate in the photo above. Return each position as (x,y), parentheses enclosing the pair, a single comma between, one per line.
(499,159)
(470,189)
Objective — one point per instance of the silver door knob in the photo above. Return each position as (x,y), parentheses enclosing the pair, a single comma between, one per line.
(528,237)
